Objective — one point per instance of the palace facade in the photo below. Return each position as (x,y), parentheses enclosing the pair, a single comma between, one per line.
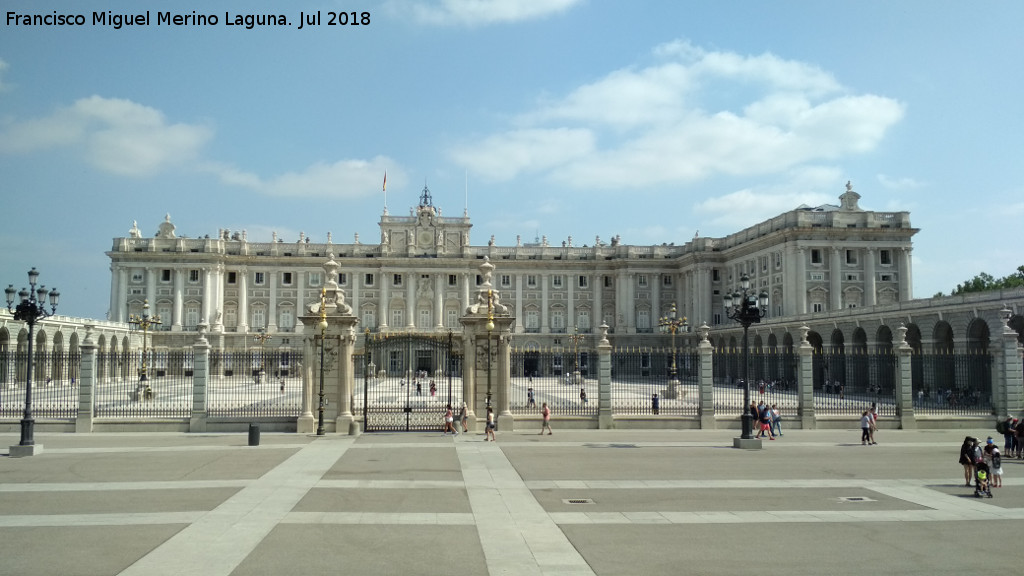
(424,272)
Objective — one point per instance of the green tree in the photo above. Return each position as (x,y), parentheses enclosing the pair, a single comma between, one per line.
(985,281)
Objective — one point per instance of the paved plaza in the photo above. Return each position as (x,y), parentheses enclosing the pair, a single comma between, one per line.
(600,502)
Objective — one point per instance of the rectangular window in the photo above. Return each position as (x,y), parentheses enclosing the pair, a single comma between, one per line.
(397,318)
(137,277)
(531,280)
(778,260)
(368,280)
(232,277)
(506,280)
(818,307)
(259,278)
(715,276)
(343,279)
(815,256)
(453,280)
(193,276)
(452,319)
(851,256)
(764,263)
(666,280)
(396,280)
(286,278)
(886,277)
(641,280)
(556,281)
(716,318)
(817,276)
(885,257)
(583,281)
(314,279)
(607,281)
(479,280)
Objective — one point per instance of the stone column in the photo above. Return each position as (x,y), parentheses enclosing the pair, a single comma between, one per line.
(706,380)
(411,278)
(1011,381)
(112,312)
(570,322)
(122,295)
(604,380)
(469,362)
(200,378)
(519,303)
(630,303)
(86,382)
(801,282)
(385,309)
(904,381)
(338,341)
(207,307)
(870,291)
(151,286)
(243,300)
(906,275)
(545,279)
(439,301)
(272,308)
(598,317)
(835,277)
(179,300)
(805,381)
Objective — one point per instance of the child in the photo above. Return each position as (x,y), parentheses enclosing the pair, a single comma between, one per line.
(981,475)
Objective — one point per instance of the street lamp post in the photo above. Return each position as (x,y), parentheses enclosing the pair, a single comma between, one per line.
(322,325)
(746,309)
(576,338)
(30,309)
(261,338)
(490,328)
(672,324)
(145,322)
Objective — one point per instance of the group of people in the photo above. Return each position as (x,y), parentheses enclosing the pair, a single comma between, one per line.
(449,419)
(983,466)
(491,425)
(768,418)
(869,425)
(1012,430)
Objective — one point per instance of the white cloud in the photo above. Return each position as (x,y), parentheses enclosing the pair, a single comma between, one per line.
(483,12)
(115,135)
(503,156)
(351,178)
(690,116)
(898,183)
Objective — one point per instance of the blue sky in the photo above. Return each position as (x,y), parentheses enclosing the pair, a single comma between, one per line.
(651,120)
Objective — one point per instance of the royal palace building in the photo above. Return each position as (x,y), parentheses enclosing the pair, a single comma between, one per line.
(424,272)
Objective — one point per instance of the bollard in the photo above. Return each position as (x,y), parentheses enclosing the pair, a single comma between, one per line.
(254,435)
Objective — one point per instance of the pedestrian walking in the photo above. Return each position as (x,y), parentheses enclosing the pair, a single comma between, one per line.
(655,404)
(583,396)
(489,432)
(865,428)
(449,421)
(464,417)
(765,416)
(873,413)
(530,400)
(545,414)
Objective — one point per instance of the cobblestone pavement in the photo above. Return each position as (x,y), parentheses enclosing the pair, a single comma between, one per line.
(600,502)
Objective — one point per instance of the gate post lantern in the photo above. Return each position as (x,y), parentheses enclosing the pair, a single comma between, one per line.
(746,309)
(30,309)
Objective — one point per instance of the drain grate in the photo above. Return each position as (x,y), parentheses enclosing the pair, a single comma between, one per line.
(855,499)
(578,501)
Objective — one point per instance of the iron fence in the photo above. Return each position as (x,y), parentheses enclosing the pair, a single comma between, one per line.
(847,384)
(54,389)
(254,383)
(952,384)
(565,380)
(772,374)
(162,390)
(643,384)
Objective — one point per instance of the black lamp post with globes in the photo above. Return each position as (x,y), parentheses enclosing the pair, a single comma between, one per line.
(30,309)
(747,309)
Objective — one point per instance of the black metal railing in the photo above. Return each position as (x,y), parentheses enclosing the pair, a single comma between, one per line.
(642,382)
(954,384)
(165,392)
(564,379)
(254,383)
(54,384)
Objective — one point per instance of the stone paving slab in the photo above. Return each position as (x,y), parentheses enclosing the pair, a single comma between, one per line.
(665,502)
